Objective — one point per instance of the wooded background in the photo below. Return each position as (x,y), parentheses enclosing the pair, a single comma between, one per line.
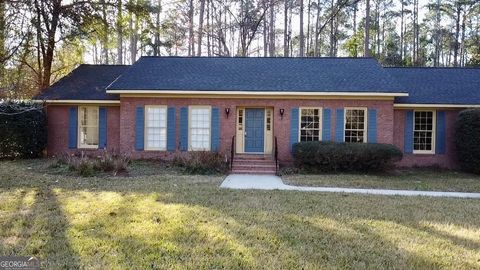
(43,40)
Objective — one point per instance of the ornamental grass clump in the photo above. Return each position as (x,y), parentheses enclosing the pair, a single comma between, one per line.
(87,166)
(202,162)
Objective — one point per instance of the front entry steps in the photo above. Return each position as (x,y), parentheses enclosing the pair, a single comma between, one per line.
(253,164)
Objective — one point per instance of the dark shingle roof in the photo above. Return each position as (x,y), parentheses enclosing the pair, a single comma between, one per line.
(438,85)
(257,74)
(87,82)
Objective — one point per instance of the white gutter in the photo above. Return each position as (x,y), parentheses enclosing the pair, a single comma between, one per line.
(399,105)
(258,93)
(76,101)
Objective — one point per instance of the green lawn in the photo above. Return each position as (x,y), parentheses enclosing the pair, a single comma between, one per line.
(413,179)
(160,219)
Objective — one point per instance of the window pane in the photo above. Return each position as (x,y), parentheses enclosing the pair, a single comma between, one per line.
(156,128)
(423,131)
(88,126)
(200,128)
(355,125)
(310,125)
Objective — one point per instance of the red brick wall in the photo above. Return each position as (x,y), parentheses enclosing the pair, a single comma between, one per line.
(281,126)
(121,134)
(446,160)
(58,118)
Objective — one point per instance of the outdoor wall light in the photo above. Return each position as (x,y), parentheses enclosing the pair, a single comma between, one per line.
(227,111)
(282,111)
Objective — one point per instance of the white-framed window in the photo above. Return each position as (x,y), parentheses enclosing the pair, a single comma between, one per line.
(87,127)
(199,128)
(355,125)
(155,127)
(310,124)
(424,132)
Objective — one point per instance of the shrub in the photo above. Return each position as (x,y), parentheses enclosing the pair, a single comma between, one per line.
(329,156)
(89,166)
(202,162)
(467,140)
(23,130)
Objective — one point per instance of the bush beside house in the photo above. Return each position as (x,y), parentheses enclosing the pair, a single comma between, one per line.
(23,129)
(332,157)
(467,140)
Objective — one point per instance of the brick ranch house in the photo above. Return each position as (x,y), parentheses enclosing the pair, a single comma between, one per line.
(160,106)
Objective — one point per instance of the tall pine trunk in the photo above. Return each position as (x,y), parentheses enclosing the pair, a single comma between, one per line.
(366,49)
(457,33)
(2,42)
(191,45)
(200,27)
(119,33)
(105,32)
(285,28)
(302,37)
(272,29)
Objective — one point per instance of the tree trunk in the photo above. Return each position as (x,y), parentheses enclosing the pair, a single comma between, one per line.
(156,39)
(209,49)
(200,27)
(2,42)
(285,28)
(462,40)
(191,45)
(308,26)
(437,35)
(105,32)
(47,53)
(317,33)
(402,14)
(355,8)
(265,34)
(302,37)
(119,33)
(272,29)
(377,26)
(133,38)
(457,34)
(332,34)
(366,50)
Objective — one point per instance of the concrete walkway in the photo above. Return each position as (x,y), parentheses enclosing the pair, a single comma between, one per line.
(271,182)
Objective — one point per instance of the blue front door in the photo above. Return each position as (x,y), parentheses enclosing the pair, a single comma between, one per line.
(254,130)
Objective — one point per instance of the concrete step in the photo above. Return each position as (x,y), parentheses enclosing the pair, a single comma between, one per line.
(253,172)
(254,168)
(253,161)
(253,157)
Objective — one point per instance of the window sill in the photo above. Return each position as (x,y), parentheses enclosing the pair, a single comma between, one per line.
(155,150)
(88,148)
(424,153)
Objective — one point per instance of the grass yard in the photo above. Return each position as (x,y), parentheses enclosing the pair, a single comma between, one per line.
(164,220)
(413,179)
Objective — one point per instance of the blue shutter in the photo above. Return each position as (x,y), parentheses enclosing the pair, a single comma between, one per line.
(408,143)
(293,128)
(440,134)
(139,128)
(171,128)
(372,126)
(102,128)
(327,125)
(73,128)
(340,125)
(215,139)
(184,129)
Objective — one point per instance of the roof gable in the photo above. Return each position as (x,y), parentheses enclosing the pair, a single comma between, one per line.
(86,82)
